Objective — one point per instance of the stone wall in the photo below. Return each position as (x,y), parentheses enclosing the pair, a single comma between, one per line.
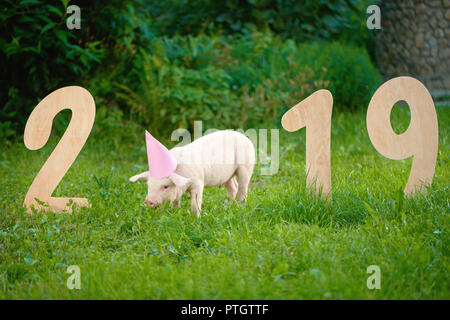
(415,41)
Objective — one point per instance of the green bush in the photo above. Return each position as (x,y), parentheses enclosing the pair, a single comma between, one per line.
(171,94)
(240,81)
(353,78)
(231,63)
(346,70)
(38,54)
(291,19)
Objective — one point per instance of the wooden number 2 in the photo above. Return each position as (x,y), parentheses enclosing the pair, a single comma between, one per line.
(314,113)
(37,132)
(420,140)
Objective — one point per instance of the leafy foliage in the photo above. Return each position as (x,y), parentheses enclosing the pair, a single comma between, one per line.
(38,53)
(241,81)
(299,20)
(168,63)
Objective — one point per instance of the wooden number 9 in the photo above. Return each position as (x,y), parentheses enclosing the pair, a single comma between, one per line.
(37,132)
(420,140)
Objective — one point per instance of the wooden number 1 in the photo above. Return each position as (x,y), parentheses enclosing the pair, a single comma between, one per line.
(37,132)
(314,113)
(420,140)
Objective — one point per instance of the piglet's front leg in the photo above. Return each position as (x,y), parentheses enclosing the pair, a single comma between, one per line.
(196,193)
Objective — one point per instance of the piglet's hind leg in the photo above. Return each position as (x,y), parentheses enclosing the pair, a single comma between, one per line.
(244,174)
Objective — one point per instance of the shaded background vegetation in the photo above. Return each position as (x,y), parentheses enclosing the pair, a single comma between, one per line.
(164,64)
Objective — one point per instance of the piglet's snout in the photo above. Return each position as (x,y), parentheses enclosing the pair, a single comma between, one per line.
(150,203)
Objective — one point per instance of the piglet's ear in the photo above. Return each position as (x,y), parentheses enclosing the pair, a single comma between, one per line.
(180,181)
(143,175)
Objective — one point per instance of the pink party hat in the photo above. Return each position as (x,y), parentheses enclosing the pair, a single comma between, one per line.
(161,162)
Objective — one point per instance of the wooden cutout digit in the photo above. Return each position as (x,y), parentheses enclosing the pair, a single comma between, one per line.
(314,113)
(420,140)
(37,132)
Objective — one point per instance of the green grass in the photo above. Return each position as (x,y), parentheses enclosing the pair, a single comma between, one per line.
(281,244)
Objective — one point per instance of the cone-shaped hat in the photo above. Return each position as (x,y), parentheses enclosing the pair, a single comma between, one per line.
(161,162)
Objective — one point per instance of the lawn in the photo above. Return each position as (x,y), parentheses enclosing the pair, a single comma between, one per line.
(281,244)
